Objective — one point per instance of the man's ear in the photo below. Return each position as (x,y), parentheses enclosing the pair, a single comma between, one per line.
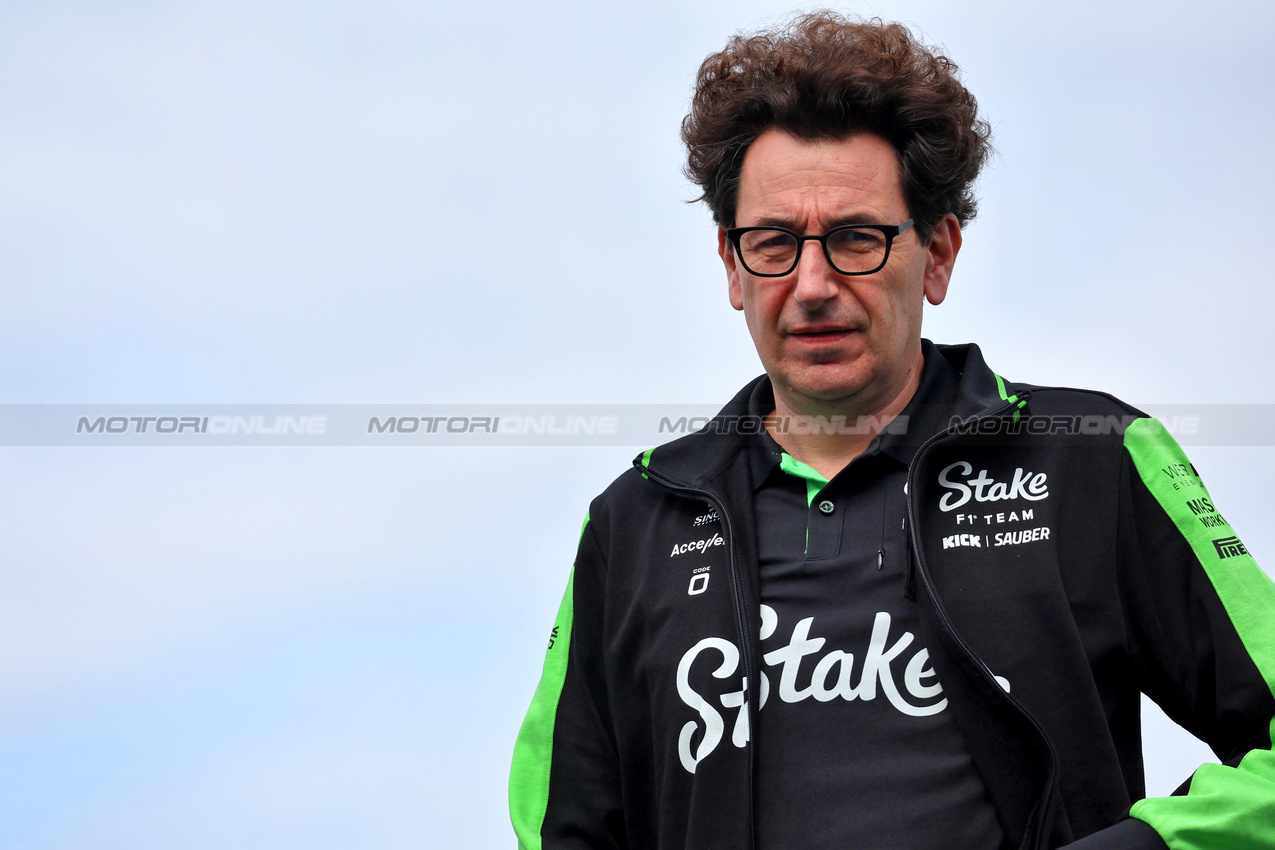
(727,252)
(945,244)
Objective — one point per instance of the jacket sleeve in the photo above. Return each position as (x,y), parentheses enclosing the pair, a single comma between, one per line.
(1200,620)
(564,780)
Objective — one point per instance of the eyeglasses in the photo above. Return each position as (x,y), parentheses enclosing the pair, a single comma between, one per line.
(850,249)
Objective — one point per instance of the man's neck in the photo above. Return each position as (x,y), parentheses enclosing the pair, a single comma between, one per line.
(829,453)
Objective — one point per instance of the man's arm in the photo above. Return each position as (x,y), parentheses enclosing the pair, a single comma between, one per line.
(564,781)
(1201,627)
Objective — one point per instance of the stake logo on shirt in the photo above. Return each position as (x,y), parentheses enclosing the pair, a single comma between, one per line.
(981,488)
(881,669)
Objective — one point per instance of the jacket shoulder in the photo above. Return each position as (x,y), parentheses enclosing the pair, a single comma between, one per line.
(1072,400)
(633,506)
(630,489)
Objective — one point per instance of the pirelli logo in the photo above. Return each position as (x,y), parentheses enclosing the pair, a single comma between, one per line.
(1228,547)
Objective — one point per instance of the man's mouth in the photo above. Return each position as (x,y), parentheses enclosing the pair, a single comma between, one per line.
(820,334)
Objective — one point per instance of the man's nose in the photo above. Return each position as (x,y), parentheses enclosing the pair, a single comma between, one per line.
(817,280)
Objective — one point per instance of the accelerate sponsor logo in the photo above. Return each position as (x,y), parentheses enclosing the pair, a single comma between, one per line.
(697,545)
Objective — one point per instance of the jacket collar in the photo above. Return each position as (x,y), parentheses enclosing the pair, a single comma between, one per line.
(698,459)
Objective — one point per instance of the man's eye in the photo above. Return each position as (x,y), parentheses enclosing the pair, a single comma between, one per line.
(775,242)
(768,243)
(856,240)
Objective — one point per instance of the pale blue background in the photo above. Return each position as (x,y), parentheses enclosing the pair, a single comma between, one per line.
(339,202)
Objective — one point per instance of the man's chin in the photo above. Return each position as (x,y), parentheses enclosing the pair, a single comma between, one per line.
(826,391)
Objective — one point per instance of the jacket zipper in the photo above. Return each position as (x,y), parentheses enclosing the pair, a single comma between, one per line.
(923,572)
(741,623)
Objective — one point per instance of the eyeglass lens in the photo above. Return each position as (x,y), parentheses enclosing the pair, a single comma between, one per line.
(851,251)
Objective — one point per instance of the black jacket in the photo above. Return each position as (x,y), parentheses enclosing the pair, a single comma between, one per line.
(1136,585)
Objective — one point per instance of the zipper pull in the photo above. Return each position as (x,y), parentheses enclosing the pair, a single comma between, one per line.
(880,558)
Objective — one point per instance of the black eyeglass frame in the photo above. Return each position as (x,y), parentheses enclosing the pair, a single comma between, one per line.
(889,231)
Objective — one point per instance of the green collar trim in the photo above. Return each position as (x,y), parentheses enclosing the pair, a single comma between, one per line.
(813,478)
(1005,396)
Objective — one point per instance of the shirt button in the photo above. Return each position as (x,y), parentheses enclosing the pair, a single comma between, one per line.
(825,507)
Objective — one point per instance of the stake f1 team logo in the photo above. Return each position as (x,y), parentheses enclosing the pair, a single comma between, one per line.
(1024,485)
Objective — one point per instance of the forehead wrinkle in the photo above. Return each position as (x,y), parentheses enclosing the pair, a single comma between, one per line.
(817,184)
(823,205)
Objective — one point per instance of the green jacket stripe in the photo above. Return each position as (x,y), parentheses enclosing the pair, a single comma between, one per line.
(1235,802)
(533,752)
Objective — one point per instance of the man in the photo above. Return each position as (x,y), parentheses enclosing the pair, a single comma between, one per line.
(946,590)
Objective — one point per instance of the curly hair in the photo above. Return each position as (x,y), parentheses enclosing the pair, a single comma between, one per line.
(825,76)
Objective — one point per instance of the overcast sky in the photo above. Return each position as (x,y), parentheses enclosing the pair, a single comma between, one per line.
(269,202)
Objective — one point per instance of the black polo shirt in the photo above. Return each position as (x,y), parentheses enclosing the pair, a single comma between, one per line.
(855,745)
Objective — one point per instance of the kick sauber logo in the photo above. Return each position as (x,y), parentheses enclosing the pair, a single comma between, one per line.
(954,541)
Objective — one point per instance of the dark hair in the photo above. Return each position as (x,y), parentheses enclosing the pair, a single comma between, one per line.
(825,76)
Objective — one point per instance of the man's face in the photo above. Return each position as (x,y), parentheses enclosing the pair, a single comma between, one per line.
(831,341)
